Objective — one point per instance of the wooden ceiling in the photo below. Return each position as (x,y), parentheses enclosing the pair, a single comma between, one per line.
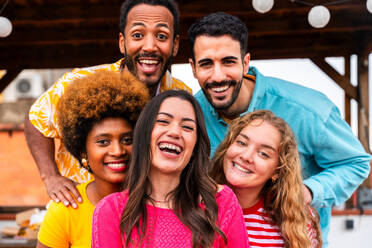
(70,33)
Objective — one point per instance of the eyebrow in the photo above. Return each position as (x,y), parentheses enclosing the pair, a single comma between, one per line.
(263,145)
(204,60)
(137,24)
(171,116)
(159,25)
(229,57)
(108,135)
(224,58)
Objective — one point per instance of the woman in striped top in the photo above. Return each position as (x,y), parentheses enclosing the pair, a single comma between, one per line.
(259,160)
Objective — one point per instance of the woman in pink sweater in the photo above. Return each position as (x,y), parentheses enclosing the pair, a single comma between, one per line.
(169,201)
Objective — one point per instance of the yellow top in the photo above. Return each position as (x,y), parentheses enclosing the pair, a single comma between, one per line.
(68,227)
(42,115)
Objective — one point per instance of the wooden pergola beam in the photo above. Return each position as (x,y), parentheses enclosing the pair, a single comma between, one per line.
(347,104)
(11,74)
(344,82)
(363,103)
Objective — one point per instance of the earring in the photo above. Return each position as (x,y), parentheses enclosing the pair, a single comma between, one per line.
(84,161)
(274,178)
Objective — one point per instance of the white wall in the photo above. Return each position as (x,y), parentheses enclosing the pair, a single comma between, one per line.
(359,237)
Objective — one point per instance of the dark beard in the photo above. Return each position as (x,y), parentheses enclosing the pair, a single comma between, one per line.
(130,62)
(235,93)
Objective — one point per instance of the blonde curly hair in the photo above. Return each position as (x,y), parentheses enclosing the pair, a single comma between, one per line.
(283,199)
(89,100)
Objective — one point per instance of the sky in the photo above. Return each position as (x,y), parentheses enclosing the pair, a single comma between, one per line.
(300,71)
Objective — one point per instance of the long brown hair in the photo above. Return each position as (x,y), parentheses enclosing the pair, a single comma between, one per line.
(195,184)
(283,199)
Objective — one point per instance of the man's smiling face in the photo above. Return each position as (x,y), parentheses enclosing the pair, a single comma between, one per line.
(148,43)
(219,69)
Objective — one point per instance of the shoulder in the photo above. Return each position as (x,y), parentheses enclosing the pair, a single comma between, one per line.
(200,96)
(225,197)
(80,72)
(68,77)
(178,84)
(294,95)
(54,210)
(203,101)
(82,187)
(112,204)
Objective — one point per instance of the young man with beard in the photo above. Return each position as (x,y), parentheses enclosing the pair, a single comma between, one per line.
(149,40)
(333,161)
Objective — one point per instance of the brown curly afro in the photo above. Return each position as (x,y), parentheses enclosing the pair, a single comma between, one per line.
(91,99)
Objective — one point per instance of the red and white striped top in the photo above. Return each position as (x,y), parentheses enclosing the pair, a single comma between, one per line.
(263,232)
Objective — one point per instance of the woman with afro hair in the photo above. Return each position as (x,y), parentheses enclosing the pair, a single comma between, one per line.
(95,116)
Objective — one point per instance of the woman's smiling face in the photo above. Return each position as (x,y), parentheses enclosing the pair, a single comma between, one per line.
(253,157)
(173,136)
(109,148)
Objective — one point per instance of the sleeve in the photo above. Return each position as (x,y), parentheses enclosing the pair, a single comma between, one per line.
(233,226)
(106,224)
(311,231)
(54,229)
(342,160)
(42,112)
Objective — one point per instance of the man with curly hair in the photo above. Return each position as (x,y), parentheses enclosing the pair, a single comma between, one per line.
(149,40)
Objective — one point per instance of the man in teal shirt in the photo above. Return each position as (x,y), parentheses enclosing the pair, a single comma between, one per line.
(333,161)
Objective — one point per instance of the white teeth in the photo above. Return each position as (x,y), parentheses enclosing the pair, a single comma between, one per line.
(148,61)
(116,166)
(220,89)
(241,168)
(170,147)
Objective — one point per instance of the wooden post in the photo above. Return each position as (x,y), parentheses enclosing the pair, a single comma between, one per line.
(10,75)
(363,104)
(347,107)
(341,80)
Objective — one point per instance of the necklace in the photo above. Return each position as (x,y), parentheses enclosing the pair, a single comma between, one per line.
(157,201)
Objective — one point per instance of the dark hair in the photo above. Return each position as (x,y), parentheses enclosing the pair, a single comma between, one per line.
(194,184)
(171,5)
(219,24)
(89,100)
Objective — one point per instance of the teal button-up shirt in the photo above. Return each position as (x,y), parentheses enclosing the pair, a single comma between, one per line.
(333,161)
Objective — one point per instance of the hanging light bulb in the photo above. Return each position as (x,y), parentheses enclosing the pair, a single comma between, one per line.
(369,6)
(262,6)
(319,16)
(5,26)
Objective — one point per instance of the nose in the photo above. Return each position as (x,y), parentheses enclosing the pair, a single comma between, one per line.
(117,149)
(218,74)
(174,130)
(149,44)
(247,154)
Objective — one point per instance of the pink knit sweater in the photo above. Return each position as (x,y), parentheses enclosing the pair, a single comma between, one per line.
(164,228)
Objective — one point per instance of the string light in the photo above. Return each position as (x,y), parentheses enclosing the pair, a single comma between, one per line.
(5,27)
(319,16)
(369,6)
(263,6)
(5,24)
